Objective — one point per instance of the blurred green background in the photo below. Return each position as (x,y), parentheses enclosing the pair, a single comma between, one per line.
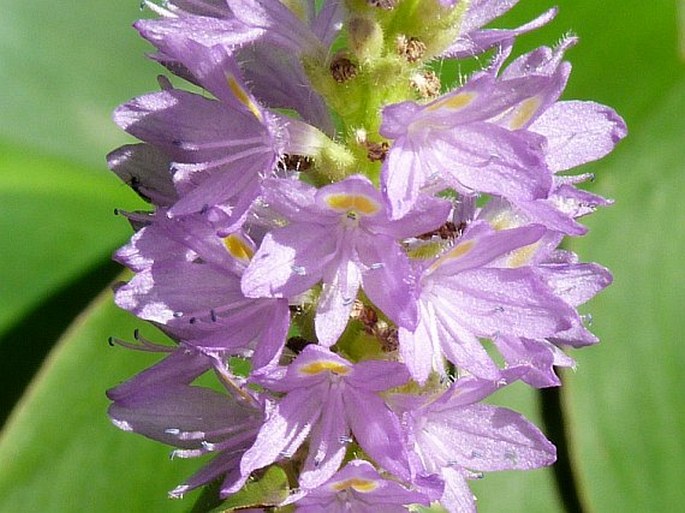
(65,65)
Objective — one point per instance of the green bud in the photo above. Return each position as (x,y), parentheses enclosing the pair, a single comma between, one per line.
(365,38)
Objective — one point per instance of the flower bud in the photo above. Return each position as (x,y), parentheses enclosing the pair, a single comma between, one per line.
(365,37)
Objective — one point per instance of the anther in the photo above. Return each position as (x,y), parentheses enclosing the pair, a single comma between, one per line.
(376,152)
(386,5)
(412,49)
(446,232)
(427,84)
(299,163)
(342,69)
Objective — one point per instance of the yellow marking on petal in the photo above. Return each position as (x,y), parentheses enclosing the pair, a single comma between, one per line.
(505,220)
(325,366)
(360,485)
(458,101)
(524,112)
(522,256)
(460,249)
(353,202)
(242,96)
(500,223)
(456,252)
(238,248)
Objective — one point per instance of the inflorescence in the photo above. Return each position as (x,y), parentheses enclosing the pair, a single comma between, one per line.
(359,254)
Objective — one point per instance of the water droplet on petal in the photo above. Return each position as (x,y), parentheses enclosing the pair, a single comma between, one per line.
(299,270)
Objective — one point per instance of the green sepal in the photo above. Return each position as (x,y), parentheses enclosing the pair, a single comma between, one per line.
(270,490)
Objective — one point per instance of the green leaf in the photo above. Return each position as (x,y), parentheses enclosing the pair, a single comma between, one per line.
(60,453)
(270,490)
(625,401)
(64,67)
(58,222)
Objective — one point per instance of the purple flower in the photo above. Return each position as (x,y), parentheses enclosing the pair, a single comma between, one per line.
(188,281)
(327,398)
(147,170)
(463,297)
(502,136)
(257,214)
(339,234)
(267,40)
(575,132)
(453,435)
(160,404)
(569,280)
(458,141)
(358,487)
(575,283)
(474,40)
(218,150)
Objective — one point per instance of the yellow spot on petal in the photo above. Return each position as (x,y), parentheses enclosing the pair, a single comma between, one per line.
(353,203)
(460,249)
(456,252)
(522,256)
(525,110)
(242,96)
(359,485)
(325,366)
(458,101)
(506,219)
(238,247)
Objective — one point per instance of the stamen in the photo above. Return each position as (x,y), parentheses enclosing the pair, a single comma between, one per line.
(342,69)
(376,152)
(386,5)
(427,84)
(411,49)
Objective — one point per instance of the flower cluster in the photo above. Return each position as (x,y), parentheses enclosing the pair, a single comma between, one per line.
(357,253)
